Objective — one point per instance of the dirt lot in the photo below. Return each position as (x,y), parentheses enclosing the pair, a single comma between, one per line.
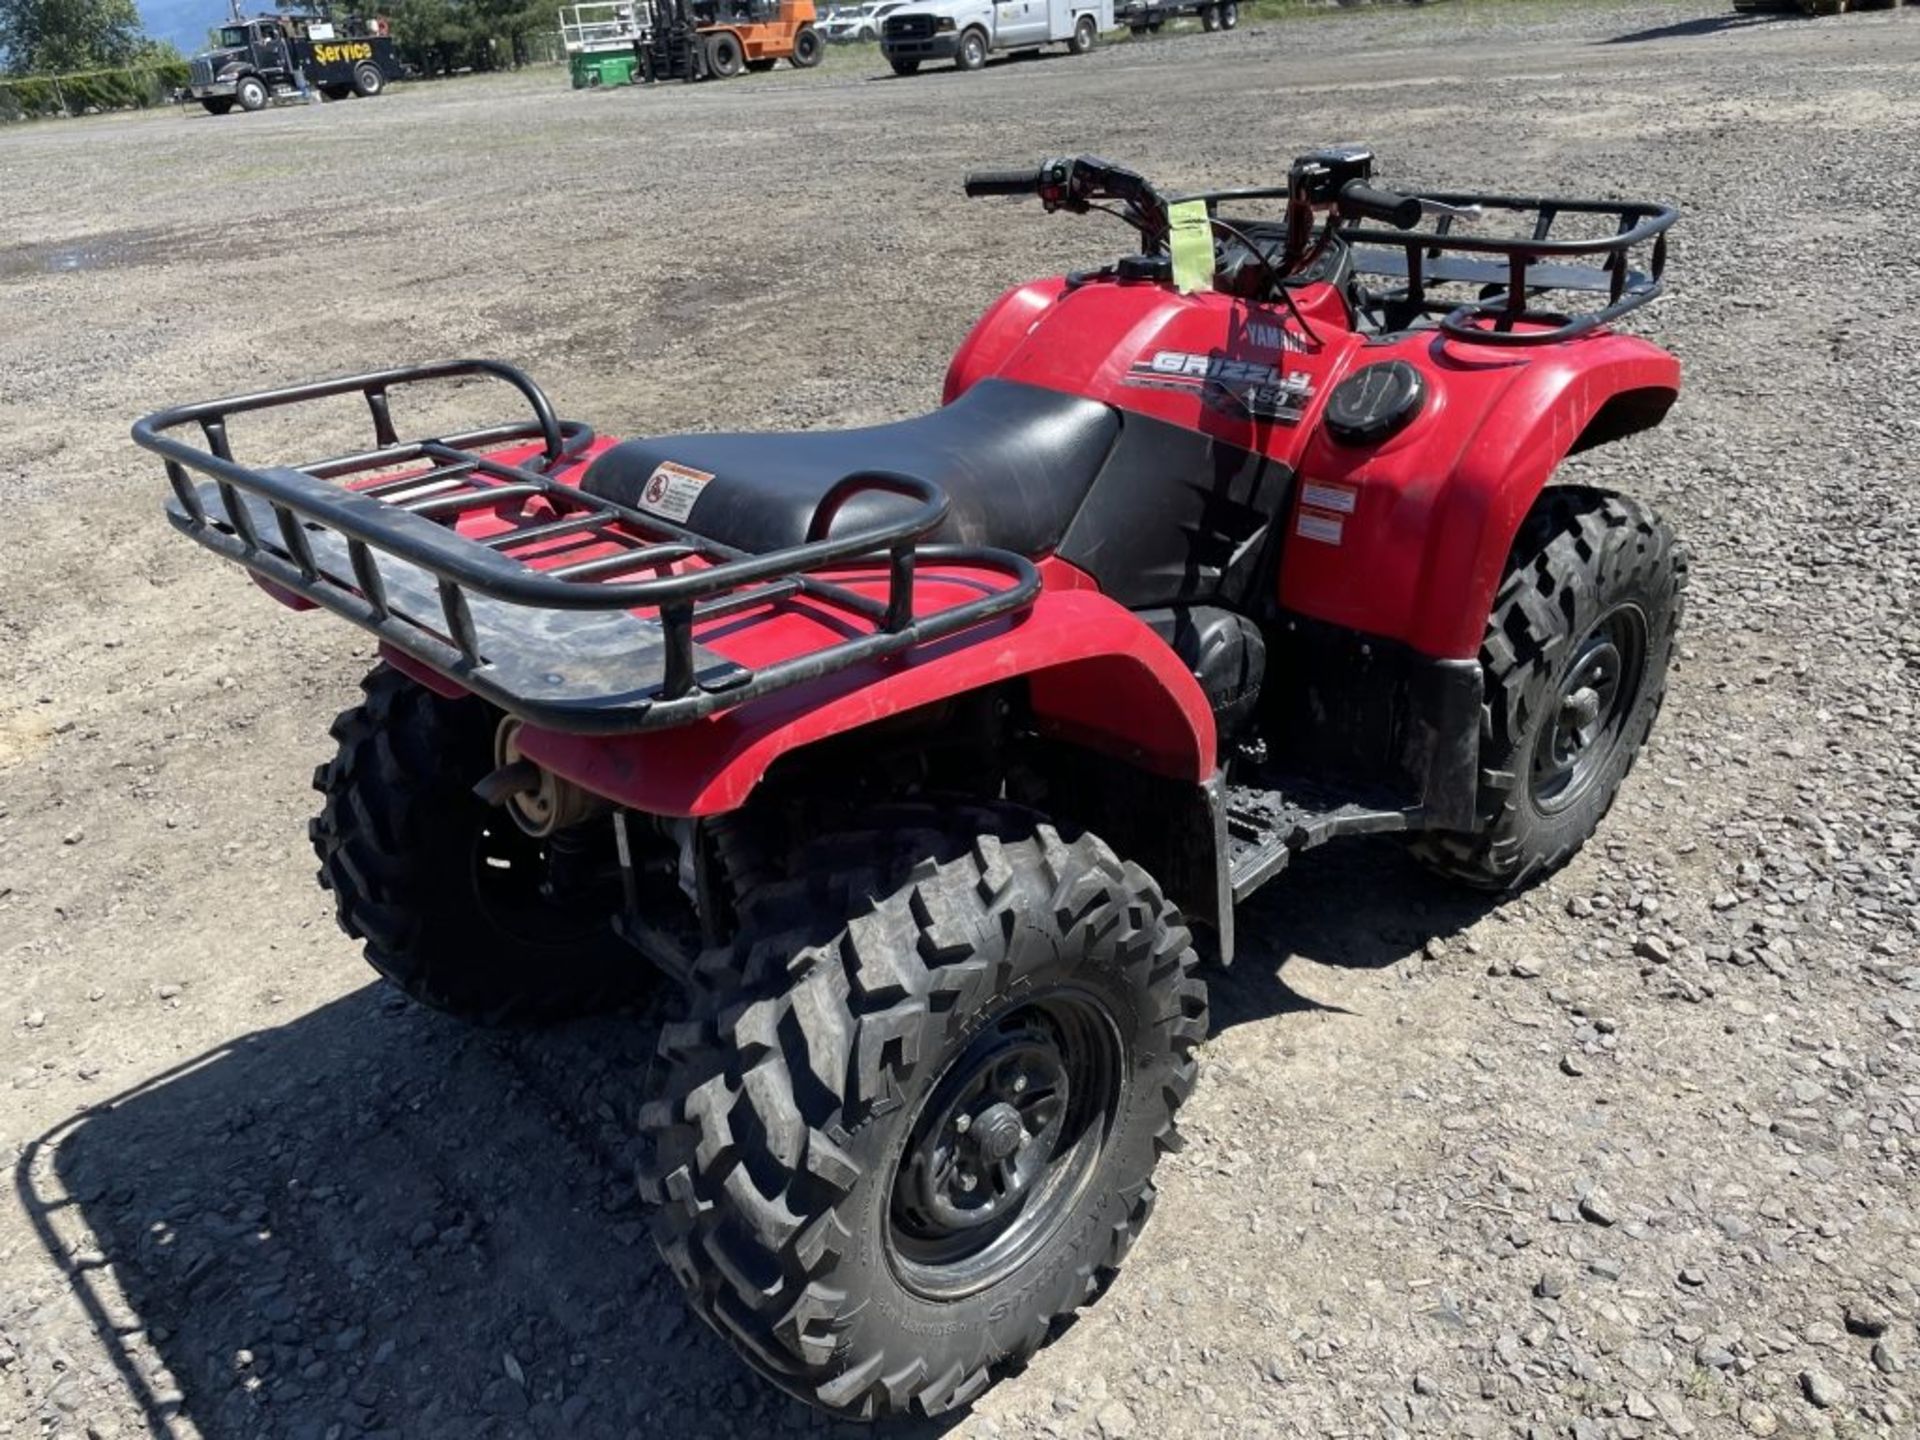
(1635,1154)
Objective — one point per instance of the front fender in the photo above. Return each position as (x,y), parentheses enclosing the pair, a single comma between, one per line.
(1096,675)
(1408,540)
(997,334)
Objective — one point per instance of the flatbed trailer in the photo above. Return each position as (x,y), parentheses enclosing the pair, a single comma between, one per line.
(1144,17)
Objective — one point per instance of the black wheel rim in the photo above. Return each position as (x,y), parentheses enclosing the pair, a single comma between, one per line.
(1005,1144)
(1587,715)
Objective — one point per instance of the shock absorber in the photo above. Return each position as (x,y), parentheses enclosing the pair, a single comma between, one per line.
(573,861)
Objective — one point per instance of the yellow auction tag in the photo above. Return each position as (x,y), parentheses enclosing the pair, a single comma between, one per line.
(1190,240)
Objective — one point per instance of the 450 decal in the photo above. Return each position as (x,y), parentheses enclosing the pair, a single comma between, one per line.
(1249,387)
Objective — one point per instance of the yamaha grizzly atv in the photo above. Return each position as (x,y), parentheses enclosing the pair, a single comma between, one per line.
(922,758)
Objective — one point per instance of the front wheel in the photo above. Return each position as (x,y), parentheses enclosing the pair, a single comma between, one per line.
(456,905)
(725,58)
(251,93)
(913,1120)
(1210,18)
(973,51)
(1085,35)
(905,67)
(1575,662)
(1229,15)
(808,48)
(368,80)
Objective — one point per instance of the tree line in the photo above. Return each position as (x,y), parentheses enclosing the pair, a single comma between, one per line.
(437,37)
(55,37)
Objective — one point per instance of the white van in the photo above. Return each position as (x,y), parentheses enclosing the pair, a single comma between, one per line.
(967,31)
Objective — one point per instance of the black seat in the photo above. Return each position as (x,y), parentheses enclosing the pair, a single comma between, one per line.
(1015,461)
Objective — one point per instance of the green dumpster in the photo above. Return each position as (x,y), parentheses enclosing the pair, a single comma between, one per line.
(607,67)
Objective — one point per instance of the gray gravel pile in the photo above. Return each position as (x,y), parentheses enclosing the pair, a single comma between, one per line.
(1636,1154)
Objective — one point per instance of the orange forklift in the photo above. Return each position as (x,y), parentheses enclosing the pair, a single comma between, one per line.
(717,39)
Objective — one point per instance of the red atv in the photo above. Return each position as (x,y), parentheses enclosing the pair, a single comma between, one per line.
(912,753)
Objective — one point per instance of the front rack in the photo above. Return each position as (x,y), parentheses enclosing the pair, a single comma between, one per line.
(1528,266)
(561,645)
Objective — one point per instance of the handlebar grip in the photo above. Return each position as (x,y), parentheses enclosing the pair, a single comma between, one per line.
(1004,182)
(1360,199)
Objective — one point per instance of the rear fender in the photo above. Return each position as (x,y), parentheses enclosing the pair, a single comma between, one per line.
(1096,675)
(1430,515)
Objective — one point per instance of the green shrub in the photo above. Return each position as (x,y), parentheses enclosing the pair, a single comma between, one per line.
(37,97)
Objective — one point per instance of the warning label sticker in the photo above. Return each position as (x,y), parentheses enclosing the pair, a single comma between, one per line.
(671,490)
(1312,525)
(1330,497)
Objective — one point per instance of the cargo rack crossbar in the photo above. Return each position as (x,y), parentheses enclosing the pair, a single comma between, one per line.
(559,647)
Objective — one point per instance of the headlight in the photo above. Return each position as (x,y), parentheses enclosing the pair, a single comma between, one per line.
(945,22)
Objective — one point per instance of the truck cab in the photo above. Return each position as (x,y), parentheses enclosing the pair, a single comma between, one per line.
(967,31)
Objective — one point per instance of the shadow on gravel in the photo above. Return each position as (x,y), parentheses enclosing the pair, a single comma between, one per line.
(1705,25)
(1356,904)
(372,1221)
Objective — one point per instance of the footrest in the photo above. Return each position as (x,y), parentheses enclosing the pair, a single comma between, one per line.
(1268,825)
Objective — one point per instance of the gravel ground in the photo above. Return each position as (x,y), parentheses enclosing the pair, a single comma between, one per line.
(1635,1154)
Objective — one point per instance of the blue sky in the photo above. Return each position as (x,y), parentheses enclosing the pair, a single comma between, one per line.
(186,22)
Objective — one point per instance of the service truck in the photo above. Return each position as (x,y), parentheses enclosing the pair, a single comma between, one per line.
(272,57)
(967,31)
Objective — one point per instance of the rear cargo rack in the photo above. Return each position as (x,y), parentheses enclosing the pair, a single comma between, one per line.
(560,647)
(1522,269)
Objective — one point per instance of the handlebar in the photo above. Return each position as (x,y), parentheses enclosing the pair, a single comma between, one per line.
(1005,182)
(1360,200)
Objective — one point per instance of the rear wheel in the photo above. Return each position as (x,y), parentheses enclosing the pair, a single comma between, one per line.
(913,1120)
(1210,17)
(725,58)
(905,67)
(1229,15)
(1085,35)
(973,51)
(368,80)
(454,902)
(251,94)
(808,48)
(219,105)
(1575,659)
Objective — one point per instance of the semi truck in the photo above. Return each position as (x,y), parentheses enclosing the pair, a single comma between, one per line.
(269,57)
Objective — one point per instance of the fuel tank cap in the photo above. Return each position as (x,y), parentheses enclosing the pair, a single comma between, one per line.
(1156,269)
(1375,403)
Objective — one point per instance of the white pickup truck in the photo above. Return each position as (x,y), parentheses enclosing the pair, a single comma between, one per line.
(967,31)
